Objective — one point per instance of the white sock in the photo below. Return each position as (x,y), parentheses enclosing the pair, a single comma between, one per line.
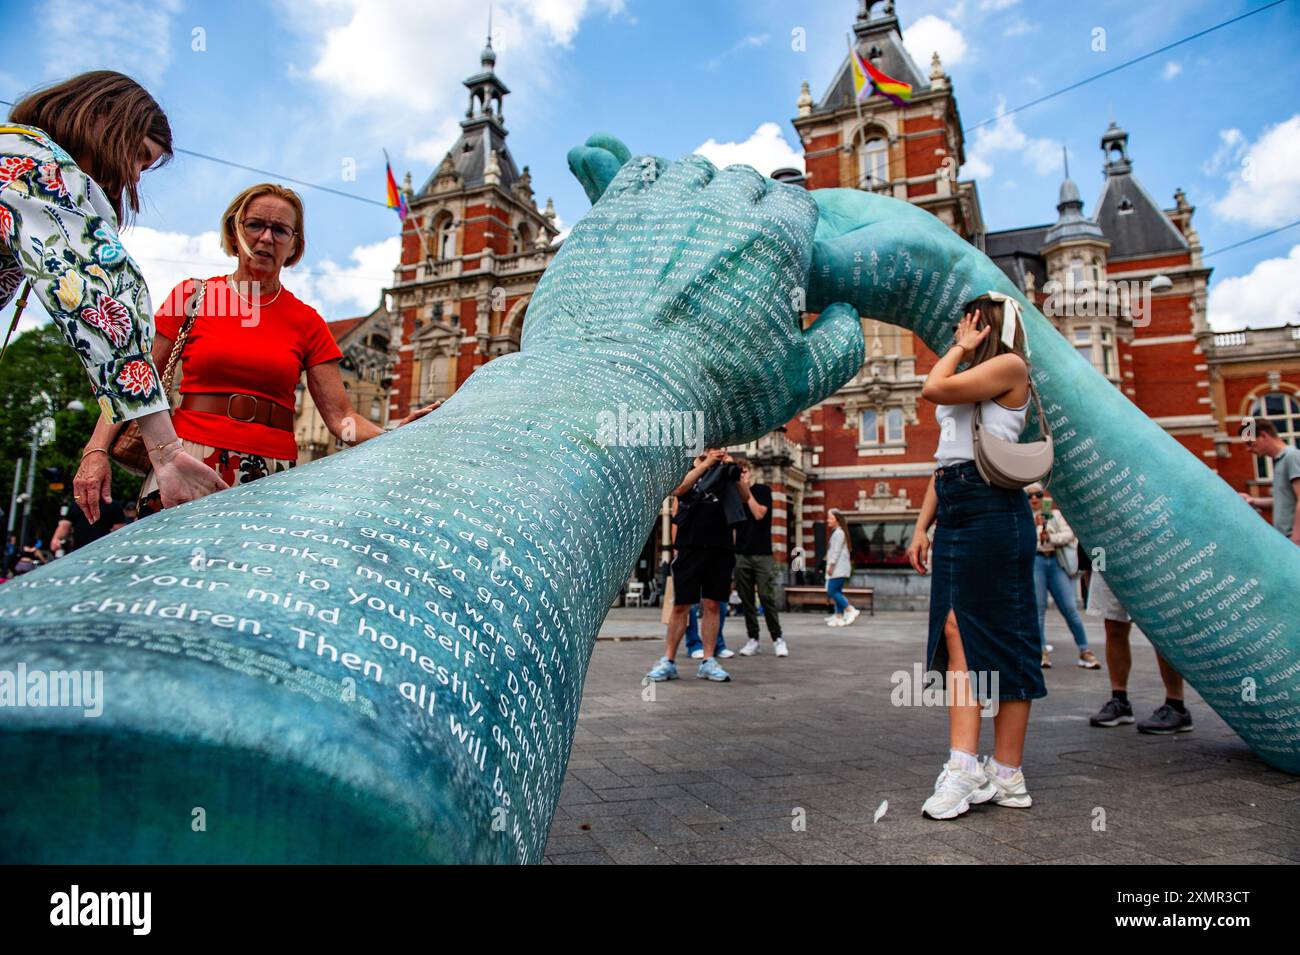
(1002,772)
(967,762)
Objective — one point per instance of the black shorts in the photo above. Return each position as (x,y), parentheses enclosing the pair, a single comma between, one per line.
(702,572)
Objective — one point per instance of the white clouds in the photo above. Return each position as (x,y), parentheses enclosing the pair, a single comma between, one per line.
(433,149)
(130,35)
(1019,27)
(1265,185)
(1268,295)
(1171,69)
(1042,155)
(1231,145)
(340,291)
(997,4)
(168,258)
(745,43)
(929,35)
(412,55)
(765,150)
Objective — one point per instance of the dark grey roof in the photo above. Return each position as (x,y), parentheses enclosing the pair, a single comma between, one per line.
(1071,222)
(1016,253)
(470,155)
(1133,221)
(894,61)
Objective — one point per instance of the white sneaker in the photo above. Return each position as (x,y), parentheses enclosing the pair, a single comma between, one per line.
(956,790)
(835,621)
(850,615)
(750,648)
(727,653)
(831,619)
(1008,792)
(781,649)
(697,654)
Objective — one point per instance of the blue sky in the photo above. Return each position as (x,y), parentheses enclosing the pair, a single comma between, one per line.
(314,88)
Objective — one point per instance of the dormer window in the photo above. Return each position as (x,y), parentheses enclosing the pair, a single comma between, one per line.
(1126,205)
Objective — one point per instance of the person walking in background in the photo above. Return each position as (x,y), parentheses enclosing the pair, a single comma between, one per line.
(1056,547)
(982,614)
(1262,439)
(1171,716)
(755,567)
(71,158)
(798,563)
(839,568)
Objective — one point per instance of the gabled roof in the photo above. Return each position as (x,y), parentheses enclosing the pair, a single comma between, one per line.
(894,61)
(1133,221)
(344,325)
(470,155)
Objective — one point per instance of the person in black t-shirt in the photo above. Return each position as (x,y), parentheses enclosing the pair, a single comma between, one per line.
(755,566)
(710,502)
(74,530)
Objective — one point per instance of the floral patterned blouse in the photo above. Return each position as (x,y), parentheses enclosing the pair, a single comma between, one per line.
(58,229)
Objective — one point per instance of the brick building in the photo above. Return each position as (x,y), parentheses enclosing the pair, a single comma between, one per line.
(1125,284)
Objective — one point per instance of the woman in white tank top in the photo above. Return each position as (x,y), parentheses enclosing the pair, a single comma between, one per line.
(983,635)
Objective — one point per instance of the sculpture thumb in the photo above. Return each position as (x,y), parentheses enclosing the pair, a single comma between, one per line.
(596,162)
(834,350)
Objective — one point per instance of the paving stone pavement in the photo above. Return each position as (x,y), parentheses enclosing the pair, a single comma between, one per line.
(711,772)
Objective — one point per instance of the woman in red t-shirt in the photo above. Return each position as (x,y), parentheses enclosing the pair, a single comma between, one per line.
(244,355)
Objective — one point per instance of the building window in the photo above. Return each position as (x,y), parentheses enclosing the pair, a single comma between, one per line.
(893,425)
(1108,363)
(875,165)
(880,429)
(1284,411)
(1082,338)
(1076,273)
(870,428)
(880,543)
(447,238)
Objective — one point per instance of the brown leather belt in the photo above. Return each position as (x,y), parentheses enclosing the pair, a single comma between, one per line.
(248,409)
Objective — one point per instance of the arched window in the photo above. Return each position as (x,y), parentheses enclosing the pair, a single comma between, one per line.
(874,164)
(525,237)
(1284,411)
(445,231)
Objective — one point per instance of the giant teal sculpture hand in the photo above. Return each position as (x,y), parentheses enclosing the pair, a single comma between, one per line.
(379,656)
(1208,582)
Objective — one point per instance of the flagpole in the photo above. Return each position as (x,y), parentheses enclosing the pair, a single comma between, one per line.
(857,97)
(419,230)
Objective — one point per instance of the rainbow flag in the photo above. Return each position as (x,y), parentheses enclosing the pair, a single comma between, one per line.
(395,198)
(867,80)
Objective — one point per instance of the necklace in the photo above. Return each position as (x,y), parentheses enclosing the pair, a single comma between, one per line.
(234,287)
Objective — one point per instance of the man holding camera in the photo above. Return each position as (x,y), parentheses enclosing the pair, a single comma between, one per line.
(711,501)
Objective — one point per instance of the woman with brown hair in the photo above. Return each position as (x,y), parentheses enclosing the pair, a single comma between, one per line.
(983,616)
(71,158)
(243,355)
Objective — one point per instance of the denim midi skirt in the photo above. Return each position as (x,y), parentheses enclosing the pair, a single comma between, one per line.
(982,569)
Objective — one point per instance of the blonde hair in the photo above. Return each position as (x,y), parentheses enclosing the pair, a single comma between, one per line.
(232,239)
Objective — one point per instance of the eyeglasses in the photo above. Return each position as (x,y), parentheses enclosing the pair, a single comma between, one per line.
(254,228)
(1036,494)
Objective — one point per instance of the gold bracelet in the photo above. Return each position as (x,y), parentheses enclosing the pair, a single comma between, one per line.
(92,451)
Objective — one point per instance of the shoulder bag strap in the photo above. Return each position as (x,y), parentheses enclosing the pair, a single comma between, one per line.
(192,306)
